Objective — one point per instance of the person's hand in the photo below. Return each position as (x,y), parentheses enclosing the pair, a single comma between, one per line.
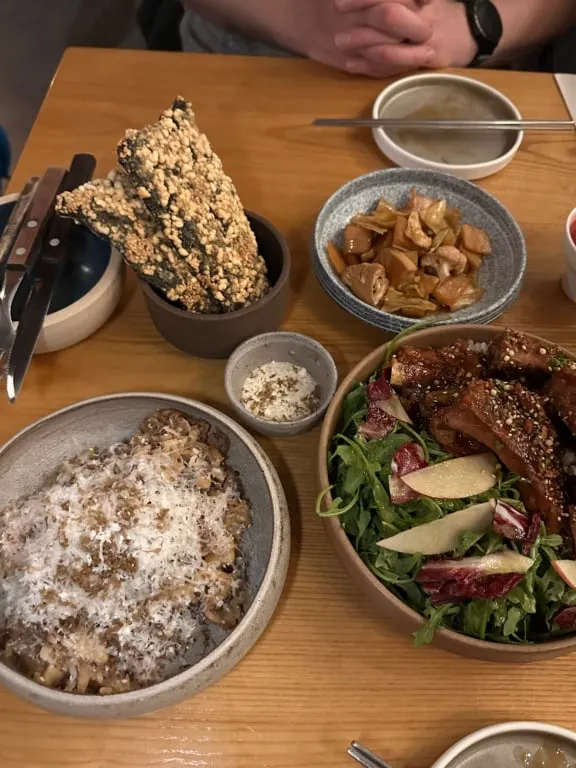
(448,41)
(342,38)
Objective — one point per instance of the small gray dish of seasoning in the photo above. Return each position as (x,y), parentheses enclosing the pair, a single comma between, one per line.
(281,384)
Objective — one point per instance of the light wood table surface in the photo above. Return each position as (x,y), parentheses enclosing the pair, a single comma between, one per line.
(327,670)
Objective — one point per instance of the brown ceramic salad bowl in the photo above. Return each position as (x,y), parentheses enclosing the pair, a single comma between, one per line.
(390,601)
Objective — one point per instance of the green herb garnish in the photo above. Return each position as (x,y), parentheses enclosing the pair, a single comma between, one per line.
(558,362)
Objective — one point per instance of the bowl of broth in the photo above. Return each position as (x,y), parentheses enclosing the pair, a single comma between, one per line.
(468,155)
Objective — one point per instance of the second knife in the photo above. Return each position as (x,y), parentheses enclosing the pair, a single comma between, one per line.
(49,267)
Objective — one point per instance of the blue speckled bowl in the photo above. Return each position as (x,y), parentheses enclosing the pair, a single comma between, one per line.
(86,294)
(501,273)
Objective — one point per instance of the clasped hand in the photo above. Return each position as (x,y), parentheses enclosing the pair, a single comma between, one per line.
(379,38)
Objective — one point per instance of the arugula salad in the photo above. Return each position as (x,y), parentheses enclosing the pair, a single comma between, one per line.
(478,563)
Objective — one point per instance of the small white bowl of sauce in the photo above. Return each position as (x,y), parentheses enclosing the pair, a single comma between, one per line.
(513,745)
(569,277)
(437,97)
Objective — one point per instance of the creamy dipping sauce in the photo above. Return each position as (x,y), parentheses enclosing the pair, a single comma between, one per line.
(444,101)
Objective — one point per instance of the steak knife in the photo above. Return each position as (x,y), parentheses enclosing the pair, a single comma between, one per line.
(12,228)
(51,261)
(24,249)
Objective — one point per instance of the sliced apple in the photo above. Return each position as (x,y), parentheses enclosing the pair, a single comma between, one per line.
(443,535)
(381,395)
(455,478)
(394,407)
(488,565)
(566,569)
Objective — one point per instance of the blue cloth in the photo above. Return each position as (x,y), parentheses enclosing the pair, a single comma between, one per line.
(5,155)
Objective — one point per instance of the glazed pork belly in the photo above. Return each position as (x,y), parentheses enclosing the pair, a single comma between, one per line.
(433,410)
(560,394)
(512,422)
(430,381)
(433,368)
(513,355)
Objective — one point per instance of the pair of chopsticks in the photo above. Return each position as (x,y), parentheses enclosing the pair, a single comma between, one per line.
(366,757)
(447,125)
(34,249)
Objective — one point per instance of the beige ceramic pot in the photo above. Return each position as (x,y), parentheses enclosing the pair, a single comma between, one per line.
(85,296)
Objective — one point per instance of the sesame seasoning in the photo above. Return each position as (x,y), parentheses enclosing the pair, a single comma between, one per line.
(281,392)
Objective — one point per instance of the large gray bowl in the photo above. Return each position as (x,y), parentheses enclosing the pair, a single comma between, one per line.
(501,273)
(29,458)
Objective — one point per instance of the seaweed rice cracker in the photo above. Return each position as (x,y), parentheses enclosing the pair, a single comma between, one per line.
(111,208)
(181,181)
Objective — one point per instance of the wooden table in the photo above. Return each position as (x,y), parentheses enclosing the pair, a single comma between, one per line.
(326,671)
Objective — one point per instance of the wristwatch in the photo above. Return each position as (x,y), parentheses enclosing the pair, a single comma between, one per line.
(486,27)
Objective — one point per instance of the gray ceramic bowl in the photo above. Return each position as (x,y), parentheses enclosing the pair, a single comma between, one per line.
(501,273)
(281,348)
(30,457)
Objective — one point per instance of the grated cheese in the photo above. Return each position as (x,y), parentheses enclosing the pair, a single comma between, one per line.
(109,566)
(280,392)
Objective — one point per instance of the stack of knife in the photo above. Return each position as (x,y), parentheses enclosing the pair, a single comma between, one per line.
(35,247)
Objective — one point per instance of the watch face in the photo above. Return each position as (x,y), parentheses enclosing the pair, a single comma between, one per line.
(488,20)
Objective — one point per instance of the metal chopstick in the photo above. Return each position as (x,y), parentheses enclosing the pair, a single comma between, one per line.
(447,125)
(366,757)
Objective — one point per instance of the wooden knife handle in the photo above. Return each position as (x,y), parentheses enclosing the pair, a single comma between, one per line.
(37,215)
(10,231)
(81,169)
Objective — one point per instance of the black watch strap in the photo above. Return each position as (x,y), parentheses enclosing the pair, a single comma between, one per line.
(486,28)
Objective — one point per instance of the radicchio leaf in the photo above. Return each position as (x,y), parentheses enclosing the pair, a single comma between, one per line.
(378,423)
(532,533)
(380,389)
(510,522)
(514,525)
(473,587)
(408,458)
(384,410)
(490,576)
(566,618)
